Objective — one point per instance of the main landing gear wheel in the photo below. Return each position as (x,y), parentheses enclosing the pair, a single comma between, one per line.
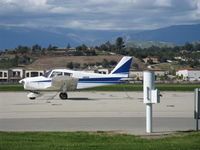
(63,96)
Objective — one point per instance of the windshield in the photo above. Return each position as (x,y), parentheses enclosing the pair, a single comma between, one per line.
(46,74)
(56,73)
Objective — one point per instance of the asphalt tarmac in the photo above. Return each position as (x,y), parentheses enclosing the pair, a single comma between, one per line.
(122,112)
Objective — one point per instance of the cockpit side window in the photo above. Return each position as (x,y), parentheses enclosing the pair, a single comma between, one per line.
(55,74)
(67,74)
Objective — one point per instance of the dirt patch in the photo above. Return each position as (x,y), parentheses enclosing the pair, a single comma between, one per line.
(168,134)
(49,62)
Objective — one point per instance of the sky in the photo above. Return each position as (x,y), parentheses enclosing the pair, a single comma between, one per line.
(99,14)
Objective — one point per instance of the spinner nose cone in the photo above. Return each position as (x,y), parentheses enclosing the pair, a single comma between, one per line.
(22,81)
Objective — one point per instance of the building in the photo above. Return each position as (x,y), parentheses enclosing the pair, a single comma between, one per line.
(72,49)
(151,59)
(188,74)
(16,74)
(102,71)
(157,71)
(61,49)
(138,74)
(33,73)
(3,75)
(3,58)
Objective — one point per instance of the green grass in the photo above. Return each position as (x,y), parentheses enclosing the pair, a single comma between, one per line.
(175,87)
(11,88)
(140,88)
(94,141)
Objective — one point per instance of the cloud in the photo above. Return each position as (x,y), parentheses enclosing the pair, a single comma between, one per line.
(99,14)
(163,3)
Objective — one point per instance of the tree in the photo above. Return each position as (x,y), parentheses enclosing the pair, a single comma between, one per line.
(103,47)
(70,65)
(15,61)
(188,46)
(135,65)
(119,44)
(197,46)
(22,49)
(109,45)
(90,53)
(82,47)
(105,63)
(78,53)
(112,62)
(49,47)
(68,46)
(36,48)
(76,65)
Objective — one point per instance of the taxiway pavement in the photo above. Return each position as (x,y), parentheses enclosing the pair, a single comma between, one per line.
(93,111)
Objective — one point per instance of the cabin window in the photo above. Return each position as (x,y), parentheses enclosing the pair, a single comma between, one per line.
(41,73)
(34,74)
(67,74)
(16,74)
(55,74)
(5,74)
(1,74)
(27,74)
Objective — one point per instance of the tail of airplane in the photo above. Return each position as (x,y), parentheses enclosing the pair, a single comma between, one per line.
(122,67)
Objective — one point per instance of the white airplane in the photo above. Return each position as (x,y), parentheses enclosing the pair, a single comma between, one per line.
(64,80)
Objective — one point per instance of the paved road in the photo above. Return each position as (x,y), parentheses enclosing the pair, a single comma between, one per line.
(132,125)
(92,111)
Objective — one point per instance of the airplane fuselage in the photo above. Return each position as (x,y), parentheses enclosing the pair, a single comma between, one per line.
(85,80)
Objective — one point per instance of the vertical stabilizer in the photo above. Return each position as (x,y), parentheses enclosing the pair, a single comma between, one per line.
(123,66)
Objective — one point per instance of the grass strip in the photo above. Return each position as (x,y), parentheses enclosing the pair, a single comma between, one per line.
(140,88)
(11,88)
(94,141)
(120,87)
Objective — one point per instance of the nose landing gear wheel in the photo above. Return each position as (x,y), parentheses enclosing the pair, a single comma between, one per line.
(63,96)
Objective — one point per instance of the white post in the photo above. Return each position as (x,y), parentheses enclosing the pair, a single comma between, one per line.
(197,107)
(148,86)
(149,118)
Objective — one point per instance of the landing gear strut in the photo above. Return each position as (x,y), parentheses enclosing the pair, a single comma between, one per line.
(63,96)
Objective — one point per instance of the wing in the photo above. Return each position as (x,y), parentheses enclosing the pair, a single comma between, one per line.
(64,83)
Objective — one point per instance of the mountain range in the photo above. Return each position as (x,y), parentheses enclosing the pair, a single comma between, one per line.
(11,37)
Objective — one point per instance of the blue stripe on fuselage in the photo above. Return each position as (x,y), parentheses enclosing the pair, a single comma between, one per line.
(114,80)
(95,80)
(43,81)
(100,79)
